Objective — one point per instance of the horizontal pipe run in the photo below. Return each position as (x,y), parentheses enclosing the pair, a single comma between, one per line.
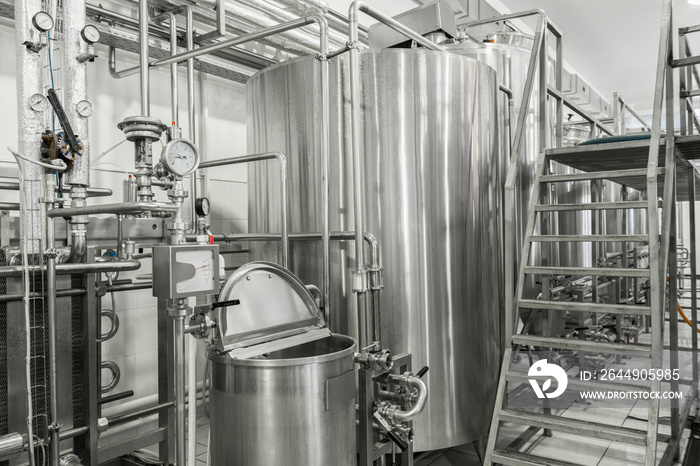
(129,287)
(128,417)
(92,192)
(555,30)
(122,208)
(6,298)
(249,37)
(9,205)
(115,397)
(72,433)
(63,269)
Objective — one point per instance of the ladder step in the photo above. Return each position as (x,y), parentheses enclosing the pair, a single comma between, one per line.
(582,345)
(597,271)
(584,385)
(589,238)
(604,175)
(624,309)
(514,458)
(575,426)
(592,206)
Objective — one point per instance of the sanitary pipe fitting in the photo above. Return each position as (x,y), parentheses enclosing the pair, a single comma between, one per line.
(376,361)
(393,412)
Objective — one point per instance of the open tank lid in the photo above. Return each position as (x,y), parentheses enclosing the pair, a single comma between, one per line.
(275,311)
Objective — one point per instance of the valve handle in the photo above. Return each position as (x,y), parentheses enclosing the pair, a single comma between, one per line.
(397,440)
(232,302)
(63,119)
(422,372)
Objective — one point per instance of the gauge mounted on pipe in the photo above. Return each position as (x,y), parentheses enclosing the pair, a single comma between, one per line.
(180,156)
(43,21)
(202,206)
(90,34)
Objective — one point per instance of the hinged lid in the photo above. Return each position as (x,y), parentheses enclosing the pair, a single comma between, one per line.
(274,304)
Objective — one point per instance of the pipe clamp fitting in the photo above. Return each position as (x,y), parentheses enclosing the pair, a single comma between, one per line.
(360,281)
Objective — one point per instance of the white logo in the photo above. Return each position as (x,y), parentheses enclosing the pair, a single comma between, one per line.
(541,368)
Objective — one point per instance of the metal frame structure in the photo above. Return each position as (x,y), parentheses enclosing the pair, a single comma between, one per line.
(636,164)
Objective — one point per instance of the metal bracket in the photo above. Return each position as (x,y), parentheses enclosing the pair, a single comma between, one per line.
(376,278)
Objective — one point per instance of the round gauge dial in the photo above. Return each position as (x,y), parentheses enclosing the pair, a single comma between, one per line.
(43,21)
(84,108)
(180,156)
(90,34)
(202,207)
(38,102)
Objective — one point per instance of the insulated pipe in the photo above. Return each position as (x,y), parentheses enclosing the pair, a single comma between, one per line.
(75,49)
(284,176)
(30,72)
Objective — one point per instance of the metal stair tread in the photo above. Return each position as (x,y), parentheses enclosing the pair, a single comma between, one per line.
(592,206)
(575,426)
(514,458)
(582,345)
(589,238)
(573,306)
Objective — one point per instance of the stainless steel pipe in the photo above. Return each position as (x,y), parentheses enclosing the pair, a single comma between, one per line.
(63,269)
(54,422)
(284,177)
(144,60)
(11,445)
(92,192)
(123,208)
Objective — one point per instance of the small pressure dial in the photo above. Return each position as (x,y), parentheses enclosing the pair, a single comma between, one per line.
(43,21)
(90,34)
(180,156)
(38,102)
(84,108)
(202,207)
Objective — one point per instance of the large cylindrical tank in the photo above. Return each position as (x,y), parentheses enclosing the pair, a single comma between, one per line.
(432,190)
(276,408)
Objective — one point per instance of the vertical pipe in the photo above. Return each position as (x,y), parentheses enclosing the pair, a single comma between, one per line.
(325,154)
(75,88)
(693,271)
(191,113)
(180,376)
(51,309)
(192,400)
(31,124)
(357,176)
(673,316)
(143,58)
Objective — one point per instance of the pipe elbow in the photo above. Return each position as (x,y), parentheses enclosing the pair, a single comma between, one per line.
(394,412)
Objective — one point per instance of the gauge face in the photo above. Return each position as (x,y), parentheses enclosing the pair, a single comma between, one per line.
(202,207)
(90,34)
(43,21)
(84,108)
(180,157)
(38,102)
(204,278)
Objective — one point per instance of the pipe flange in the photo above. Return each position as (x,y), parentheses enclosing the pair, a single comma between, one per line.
(140,127)
(170,226)
(69,460)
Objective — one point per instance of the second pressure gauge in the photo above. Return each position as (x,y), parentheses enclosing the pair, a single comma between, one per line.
(180,156)
(202,207)
(90,34)
(84,108)
(42,21)
(38,103)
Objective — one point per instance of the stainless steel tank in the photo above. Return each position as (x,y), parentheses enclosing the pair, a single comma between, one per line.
(282,386)
(433,181)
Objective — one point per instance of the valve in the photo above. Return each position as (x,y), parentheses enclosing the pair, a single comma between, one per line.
(390,431)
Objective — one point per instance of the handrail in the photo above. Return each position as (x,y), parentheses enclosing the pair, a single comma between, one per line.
(619,115)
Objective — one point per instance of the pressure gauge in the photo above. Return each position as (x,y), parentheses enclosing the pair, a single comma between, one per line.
(38,102)
(90,34)
(84,108)
(185,270)
(180,156)
(43,21)
(202,207)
